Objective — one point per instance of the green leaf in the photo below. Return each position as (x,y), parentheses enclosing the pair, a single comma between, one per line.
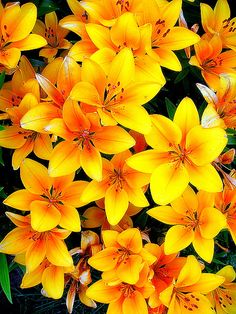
(181,75)
(2,79)
(1,127)
(171,108)
(4,277)
(231,140)
(46,6)
(1,160)
(2,193)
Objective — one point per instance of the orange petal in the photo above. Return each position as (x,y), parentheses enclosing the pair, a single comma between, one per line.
(12,137)
(102,292)
(20,199)
(21,153)
(43,146)
(203,247)
(178,238)
(135,304)
(16,241)
(166,214)
(50,90)
(131,239)
(32,41)
(104,260)
(129,269)
(10,57)
(72,194)
(35,254)
(94,217)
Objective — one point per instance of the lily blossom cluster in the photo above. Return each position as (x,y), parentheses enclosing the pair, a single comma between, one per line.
(92,149)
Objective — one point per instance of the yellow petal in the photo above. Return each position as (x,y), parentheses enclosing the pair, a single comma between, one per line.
(34,176)
(21,153)
(16,241)
(227,272)
(161,139)
(112,140)
(32,41)
(166,214)
(186,115)
(204,247)
(178,238)
(179,38)
(104,260)
(94,191)
(50,90)
(20,199)
(53,281)
(101,292)
(12,137)
(91,162)
(73,192)
(116,204)
(10,57)
(204,178)
(64,160)
(136,304)
(132,117)
(125,31)
(190,273)
(207,283)
(70,219)
(44,216)
(168,182)
(87,93)
(43,146)
(205,145)
(94,217)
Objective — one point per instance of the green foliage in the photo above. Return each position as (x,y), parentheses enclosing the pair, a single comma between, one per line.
(4,277)
(45,6)
(2,79)
(171,108)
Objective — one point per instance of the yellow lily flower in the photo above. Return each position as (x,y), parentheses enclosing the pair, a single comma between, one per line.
(186,293)
(218,22)
(123,257)
(51,201)
(195,221)
(166,37)
(84,138)
(36,245)
(116,97)
(119,186)
(16,24)
(212,61)
(54,35)
(223,298)
(182,153)
(24,141)
(123,298)
(221,109)
(51,277)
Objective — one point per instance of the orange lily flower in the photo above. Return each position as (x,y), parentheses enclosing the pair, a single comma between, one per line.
(166,268)
(223,298)
(107,11)
(166,37)
(221,109)
(16,24)
(65,74)
(212,61)
(79,278)
(51,277)
(36,245)
(226,203)
(84,138)
(182,153)
(95,217)
(123,298)
(23,81)
(124,33)
(119,186)
(186,294)
(195,221)
(117,97)
(54,35)
(218,22)
(123,257)
(51,201)
(24,141)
